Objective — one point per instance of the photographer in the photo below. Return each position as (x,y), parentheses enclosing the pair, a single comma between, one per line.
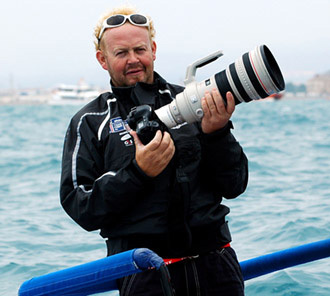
(165,195)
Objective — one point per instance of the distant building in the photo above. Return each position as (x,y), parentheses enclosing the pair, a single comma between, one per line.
(319,85)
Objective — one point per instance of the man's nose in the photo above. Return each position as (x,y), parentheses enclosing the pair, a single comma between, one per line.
(132,57)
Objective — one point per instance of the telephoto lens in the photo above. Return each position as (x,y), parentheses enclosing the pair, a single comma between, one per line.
(255,75)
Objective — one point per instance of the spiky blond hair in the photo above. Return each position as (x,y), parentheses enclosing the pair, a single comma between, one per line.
(125,10)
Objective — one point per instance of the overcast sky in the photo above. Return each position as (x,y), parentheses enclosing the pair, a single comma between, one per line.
(46,42)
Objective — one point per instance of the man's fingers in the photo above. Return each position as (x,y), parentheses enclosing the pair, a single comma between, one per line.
(216,111)
(230,102)
(155,142)
(210,103)
(166,139)
(205,108)
(168,144)
(219,103)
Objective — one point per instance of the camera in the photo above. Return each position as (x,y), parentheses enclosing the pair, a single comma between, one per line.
(144,121)
(255,75)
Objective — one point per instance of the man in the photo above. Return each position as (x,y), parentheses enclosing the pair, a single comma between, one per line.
(165,195)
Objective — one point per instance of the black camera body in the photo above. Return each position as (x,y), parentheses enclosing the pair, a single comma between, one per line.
(145,122)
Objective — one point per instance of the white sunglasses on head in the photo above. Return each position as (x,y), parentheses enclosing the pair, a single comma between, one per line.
(118,20)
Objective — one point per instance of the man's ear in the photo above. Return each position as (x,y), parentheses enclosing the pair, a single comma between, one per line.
(153,48)
(102,59)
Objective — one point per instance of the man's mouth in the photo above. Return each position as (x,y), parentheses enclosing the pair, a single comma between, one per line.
(134,71)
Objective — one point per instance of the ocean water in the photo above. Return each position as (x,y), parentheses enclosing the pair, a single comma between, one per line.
(287,202)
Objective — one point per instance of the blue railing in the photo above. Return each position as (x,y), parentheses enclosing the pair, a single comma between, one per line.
(100,275)
(283,259)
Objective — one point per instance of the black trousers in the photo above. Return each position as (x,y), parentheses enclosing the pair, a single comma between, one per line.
(214,273)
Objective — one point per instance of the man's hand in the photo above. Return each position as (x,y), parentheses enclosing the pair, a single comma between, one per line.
(154,157)
(216,113)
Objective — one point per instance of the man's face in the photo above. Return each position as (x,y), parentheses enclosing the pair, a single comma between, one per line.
(128,55)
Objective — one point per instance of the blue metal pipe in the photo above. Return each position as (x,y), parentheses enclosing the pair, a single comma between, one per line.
(93,277)
(100,276)
(283,259)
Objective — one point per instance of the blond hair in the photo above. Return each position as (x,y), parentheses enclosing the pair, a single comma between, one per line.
(125,10)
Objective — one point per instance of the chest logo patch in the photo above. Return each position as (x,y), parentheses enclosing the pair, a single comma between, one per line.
(128,142)
(116,125)
(127,139)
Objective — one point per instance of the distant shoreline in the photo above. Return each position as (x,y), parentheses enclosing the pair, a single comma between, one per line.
(45,99)
(25,100)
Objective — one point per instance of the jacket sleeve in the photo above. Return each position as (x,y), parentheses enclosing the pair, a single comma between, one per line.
(224,163)
(92,197)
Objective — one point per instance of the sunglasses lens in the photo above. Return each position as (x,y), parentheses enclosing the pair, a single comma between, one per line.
(138,19)
(115,20)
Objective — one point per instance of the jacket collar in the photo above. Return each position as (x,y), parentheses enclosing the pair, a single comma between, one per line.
(141,93)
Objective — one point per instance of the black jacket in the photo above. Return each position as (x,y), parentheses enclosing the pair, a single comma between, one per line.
(179,212)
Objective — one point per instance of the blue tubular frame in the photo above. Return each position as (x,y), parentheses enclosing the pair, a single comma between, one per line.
(90,278)
(100,276)
(287,258)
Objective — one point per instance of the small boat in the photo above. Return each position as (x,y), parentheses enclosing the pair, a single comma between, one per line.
(81,93)
(276,96)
